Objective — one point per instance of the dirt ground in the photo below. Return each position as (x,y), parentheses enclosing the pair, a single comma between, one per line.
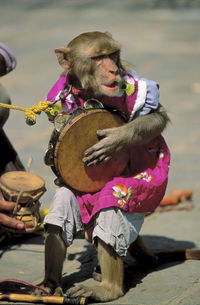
(161,39)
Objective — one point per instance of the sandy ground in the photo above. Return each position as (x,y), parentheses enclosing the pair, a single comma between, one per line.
(164,45)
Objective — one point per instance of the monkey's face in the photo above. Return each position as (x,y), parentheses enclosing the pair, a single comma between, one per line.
(100,73)
(107,74)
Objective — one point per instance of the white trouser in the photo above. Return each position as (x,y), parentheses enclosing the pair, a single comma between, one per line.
(114,226)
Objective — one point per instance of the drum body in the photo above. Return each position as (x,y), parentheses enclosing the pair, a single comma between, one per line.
(24,188)
(67,147)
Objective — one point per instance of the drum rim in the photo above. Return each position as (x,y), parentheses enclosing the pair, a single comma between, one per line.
(11,188)
(56,136)
(58,139)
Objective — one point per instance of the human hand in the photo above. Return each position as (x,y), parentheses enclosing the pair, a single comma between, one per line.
(6,220)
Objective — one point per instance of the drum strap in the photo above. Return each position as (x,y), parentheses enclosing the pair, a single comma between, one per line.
(69,89)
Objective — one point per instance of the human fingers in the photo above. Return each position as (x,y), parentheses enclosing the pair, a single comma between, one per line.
(11,222)
(7,205)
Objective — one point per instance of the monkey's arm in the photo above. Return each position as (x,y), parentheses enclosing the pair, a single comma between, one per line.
(145,128)
(137,132)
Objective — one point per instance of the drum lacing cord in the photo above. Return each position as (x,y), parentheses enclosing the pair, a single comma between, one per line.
(26,209)
(30,113)
(17,201)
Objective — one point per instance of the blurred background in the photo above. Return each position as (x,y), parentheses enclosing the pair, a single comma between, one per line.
(160,37)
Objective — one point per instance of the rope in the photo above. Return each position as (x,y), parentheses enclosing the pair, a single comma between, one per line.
(17,201)
(26,283)
(30,113)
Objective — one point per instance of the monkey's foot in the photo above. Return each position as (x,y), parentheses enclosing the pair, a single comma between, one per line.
(100,293)
(45,290)
(80,290)
(97,276)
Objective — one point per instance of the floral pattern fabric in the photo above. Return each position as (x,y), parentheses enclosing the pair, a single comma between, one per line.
(142,185)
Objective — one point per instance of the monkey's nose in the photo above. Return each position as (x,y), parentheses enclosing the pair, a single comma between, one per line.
(114,71)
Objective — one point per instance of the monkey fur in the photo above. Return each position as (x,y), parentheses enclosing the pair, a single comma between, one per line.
(112,267)
(94,66)
(93,61)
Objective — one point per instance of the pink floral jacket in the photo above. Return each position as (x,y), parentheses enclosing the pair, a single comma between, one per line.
(143,184)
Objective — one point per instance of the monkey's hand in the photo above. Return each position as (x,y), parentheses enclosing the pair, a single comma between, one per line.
(112,140)
(137,132)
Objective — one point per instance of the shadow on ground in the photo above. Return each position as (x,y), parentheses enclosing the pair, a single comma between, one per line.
(13,241)
(134,272)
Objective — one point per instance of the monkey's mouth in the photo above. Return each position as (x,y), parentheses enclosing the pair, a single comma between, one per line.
(114,85)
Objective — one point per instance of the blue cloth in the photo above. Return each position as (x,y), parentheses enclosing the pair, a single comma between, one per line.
(9,57)
(152,96)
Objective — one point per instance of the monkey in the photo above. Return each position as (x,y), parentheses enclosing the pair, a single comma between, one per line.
(112,217)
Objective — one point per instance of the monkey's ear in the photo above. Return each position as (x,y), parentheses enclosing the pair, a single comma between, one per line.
(61,54)
(108,34)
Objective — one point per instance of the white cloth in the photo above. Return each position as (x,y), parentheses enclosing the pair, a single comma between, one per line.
(115,227)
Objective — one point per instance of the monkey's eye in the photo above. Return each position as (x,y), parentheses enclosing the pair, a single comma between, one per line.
(99,57)
(114,56)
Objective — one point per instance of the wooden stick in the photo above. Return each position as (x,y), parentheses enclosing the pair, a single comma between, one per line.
(42,299)
(29,164)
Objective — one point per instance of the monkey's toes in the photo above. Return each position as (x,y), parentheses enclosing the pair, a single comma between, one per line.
(58,292)
(41,290)
(79,291)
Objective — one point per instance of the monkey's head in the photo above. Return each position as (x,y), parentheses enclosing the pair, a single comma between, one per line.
(93,60)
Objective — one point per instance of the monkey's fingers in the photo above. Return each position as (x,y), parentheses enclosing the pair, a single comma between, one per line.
(73,290)
(104,144)
(97,150)
(107,145)
(106,132)
(96,159)
(96,162)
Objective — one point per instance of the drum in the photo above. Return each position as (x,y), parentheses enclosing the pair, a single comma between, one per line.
(24,188)
(73,135)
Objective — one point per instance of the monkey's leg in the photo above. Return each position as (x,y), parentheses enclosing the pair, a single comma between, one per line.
(62,223)
(177,255)
(139,250)
(144,255)
(55,253)
(112,268)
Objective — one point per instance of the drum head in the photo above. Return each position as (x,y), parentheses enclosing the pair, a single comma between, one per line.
(21,180)
(74,140)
